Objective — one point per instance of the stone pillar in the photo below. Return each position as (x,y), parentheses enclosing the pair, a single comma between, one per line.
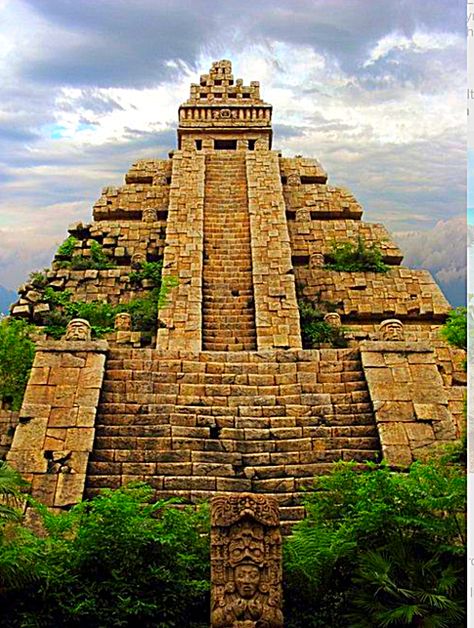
(276,307)
(183,254)
(246,572)
(409,400)
(56,428)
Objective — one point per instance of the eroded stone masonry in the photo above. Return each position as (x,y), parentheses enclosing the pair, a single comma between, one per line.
(225,399)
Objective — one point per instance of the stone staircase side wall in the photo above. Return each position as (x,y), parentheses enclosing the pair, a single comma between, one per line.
(56,429)
(183,255)
(276,308)
(409,399)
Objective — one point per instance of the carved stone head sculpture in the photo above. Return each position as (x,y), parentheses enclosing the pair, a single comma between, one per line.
(123,321)
(293,179)
(391,329)
(149,214)
(333,319)
(316,261)
(138,259)
(245,562)
(78,329)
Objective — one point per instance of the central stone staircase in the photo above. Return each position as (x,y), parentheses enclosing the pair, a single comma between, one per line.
(228,300)
(192,425)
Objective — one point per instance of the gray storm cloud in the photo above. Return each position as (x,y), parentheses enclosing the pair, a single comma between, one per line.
(371,89)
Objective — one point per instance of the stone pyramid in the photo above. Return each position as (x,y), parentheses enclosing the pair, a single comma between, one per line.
(224,397)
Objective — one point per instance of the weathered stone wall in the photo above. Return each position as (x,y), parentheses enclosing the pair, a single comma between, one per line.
(183,256)
(319,201)
(400,293)
(317,236)
(56,429)
(121,242)
(276,308)
(409,399)
(147,187)
(303,168)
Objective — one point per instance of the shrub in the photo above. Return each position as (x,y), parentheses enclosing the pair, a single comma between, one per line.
(349,257)
(17,351)
(101,315)
(66,249)
(97,260)
(39,279)
(315,330)
(455,328)
(114,561)
(379,549)
(150,271)
(11,496)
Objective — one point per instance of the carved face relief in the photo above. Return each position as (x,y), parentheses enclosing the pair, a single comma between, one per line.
(247,544)
(123,322)
(391,329)
(78,329)
(293,179)
(333,319)
(149,214)
(316,261)
(245,562)
(246,578)
(138,259)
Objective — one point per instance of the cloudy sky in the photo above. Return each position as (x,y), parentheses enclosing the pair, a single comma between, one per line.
(375,89)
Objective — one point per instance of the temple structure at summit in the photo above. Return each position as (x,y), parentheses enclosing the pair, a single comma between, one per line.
(224,396)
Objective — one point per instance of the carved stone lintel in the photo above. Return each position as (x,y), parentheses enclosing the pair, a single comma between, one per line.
(246,575)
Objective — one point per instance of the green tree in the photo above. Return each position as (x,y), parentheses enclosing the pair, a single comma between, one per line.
(455,328)
(380,548)
(17,351)
(117,560)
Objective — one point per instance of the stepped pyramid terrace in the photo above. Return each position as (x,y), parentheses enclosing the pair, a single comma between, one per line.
(223,393)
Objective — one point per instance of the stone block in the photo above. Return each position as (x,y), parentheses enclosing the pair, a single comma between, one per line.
(393,434)
(30,435)
(70,489)
(398,456)
(419,434)
(79,439)
(394,411)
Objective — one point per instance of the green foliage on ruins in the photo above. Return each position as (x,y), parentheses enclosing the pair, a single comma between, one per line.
(360,257)
(97,260)
(117,560)
(315,330)
(66,249)
(148,271)
(17,351)
(379,548)
(101,314)
(455,328)
(38,279)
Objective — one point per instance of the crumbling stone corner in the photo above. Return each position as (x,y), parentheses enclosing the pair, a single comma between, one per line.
(56,427)
(408,397)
